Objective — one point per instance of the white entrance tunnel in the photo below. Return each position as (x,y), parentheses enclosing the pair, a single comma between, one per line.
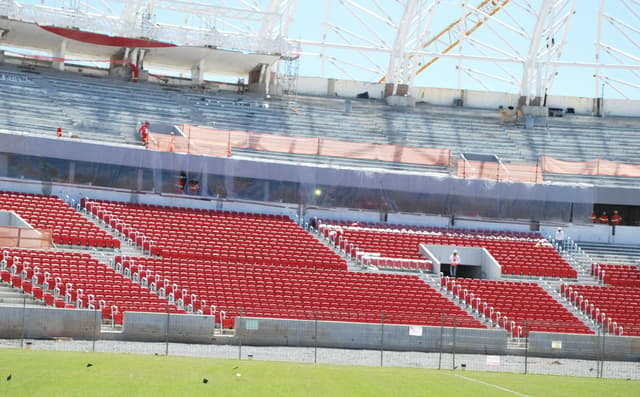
(10,218)
(475,262)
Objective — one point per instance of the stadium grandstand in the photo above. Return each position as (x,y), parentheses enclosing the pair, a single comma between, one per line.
(173,158)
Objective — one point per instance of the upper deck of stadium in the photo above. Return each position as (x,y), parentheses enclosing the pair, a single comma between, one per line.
(109,110)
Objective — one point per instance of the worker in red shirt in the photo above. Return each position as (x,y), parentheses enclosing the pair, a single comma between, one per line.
(616,218)
(603,219)
(594,218)
(194,187)
(144,132)
(59,132)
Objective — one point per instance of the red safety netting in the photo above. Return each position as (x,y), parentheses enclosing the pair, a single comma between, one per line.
(591,167)
(499,171)
(214,142)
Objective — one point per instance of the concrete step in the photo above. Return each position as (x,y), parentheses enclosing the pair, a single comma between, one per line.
(127,248)
(553,289)
(352,265)
(15,296)
(19,300)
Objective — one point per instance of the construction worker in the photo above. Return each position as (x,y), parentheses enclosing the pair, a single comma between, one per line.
(603,219)
(172,143)
(616,218)
(144,132)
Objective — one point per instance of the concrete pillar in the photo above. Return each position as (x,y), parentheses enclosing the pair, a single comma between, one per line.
(331,87)
(59,55)
(139,62)
(267,188)
(140,179)
(267,80)
(4,164)
(197,72)
(72,172)
(133,56)
(204,184)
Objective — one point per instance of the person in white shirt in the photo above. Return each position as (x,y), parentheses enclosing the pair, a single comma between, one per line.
(454,261)
(560,237)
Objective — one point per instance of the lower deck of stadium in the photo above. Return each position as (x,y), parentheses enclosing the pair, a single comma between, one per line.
(118,257)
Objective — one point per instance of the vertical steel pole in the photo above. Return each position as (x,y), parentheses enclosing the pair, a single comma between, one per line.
(382,340)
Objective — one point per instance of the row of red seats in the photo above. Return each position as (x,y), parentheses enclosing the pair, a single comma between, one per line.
(614,274)
(515,256)
(250,240)
(69,279)
(51,213)
(398,264)
(89,204)
(437,229)
(616,308)
(517,307)
(339,296)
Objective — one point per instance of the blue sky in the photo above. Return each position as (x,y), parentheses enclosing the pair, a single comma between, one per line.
(570,80)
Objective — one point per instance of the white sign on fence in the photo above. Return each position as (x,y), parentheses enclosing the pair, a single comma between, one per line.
(493,361)
(415,330)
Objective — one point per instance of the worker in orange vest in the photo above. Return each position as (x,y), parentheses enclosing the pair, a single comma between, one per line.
(603,219)
(616,218)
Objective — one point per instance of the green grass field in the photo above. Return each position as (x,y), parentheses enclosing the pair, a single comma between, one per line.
(54,373)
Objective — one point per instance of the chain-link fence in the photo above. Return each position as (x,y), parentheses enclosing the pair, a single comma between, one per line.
(443,344)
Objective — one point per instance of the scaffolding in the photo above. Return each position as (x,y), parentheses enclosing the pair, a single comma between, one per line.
(289,71)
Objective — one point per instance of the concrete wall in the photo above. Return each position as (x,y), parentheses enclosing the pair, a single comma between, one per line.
(488,225)
(419,219)
(47,322)
(621,107)
(473,99)
(490,100)
(343,214)
(581,105)
(595,233)
(346,88)
(10,218)
(435,96)
(158,327)
(583,346)
(273,332)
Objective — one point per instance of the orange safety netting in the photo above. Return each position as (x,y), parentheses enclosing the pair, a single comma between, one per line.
(499,171)
(591,167)
(214,142)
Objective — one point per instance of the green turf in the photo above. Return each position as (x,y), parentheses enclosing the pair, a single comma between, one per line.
(53,373)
